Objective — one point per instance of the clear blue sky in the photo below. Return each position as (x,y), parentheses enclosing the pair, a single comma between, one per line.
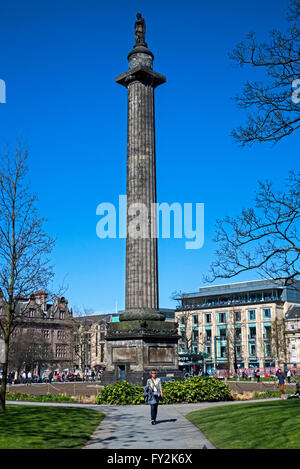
(59,60)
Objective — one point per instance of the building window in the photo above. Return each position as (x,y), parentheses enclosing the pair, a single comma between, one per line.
(61,335)
(208,335)
(31,313)
(238,351)
(267,313)
(46,334)
(237,316)
(221,317)
(61,351)
(102,353)
(208,350)
(61,315)
(208,318)
(195,335)
(267,335)
(238,333)
(252,332)
(223,352)
(195,319)
(268,350)
(182,320)
(223,332)
(251,315)
(252,350)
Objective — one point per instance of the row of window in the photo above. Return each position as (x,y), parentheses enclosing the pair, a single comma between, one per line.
(222,333)
(35,314)
(61,335)
(222,317)
(253,297)
(222,352)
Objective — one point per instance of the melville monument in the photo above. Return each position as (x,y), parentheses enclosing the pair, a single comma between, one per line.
(142,339)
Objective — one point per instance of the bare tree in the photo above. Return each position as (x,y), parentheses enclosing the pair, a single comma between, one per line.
(24,246)
(29,350)
(264,238)
(185,321)
(82,337)
(273,104)
(278,340)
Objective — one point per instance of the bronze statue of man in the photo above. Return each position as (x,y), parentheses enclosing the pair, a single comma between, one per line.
(140,30)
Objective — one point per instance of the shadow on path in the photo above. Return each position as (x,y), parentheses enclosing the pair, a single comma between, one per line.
(165,421)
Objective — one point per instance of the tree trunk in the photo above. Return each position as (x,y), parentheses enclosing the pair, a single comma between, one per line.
(4,376)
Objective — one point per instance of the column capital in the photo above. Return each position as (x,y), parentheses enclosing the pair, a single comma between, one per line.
(143,74)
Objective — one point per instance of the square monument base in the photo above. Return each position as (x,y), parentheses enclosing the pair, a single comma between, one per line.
(132,355)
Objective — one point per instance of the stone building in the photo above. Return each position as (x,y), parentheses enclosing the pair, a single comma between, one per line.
(43,336)
(241,325)
(292,330)
(90,350)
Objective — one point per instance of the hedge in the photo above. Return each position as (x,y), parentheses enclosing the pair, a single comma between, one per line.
(194,389)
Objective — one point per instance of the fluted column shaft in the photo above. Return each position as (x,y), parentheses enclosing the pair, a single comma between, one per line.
(141,253)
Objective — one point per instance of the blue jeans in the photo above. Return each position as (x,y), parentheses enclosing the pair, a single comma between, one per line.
(153,411)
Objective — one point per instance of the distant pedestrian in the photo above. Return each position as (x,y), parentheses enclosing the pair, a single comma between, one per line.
(257,375)
(153,394)
(288,375)
(50,377)
(281,381)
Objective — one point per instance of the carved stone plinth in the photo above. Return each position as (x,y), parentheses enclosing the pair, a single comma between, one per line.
(135,347)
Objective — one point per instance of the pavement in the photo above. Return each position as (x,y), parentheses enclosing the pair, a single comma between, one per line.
(129,427)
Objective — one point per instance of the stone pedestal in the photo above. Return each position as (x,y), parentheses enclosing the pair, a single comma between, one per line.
(135,347)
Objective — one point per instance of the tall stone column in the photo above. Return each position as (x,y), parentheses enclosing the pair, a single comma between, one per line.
(141,246)
(142,339)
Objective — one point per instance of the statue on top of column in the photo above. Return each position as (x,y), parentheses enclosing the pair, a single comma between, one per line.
(140,30)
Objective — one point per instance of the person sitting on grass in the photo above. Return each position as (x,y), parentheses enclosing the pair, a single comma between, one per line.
(297,393)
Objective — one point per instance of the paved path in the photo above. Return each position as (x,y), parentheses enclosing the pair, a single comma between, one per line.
(129,427)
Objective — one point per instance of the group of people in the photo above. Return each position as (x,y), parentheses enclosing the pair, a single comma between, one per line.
(283,374)
(27,377)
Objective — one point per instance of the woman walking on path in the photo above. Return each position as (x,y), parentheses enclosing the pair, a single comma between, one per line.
(153,394)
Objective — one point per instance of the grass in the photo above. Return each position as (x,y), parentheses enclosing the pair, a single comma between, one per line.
(46,427)
(17,396)
(263,425)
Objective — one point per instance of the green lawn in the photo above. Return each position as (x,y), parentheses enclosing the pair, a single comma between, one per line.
(46,427)
(263,425)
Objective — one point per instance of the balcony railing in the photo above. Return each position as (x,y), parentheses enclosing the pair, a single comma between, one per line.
(228,303)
